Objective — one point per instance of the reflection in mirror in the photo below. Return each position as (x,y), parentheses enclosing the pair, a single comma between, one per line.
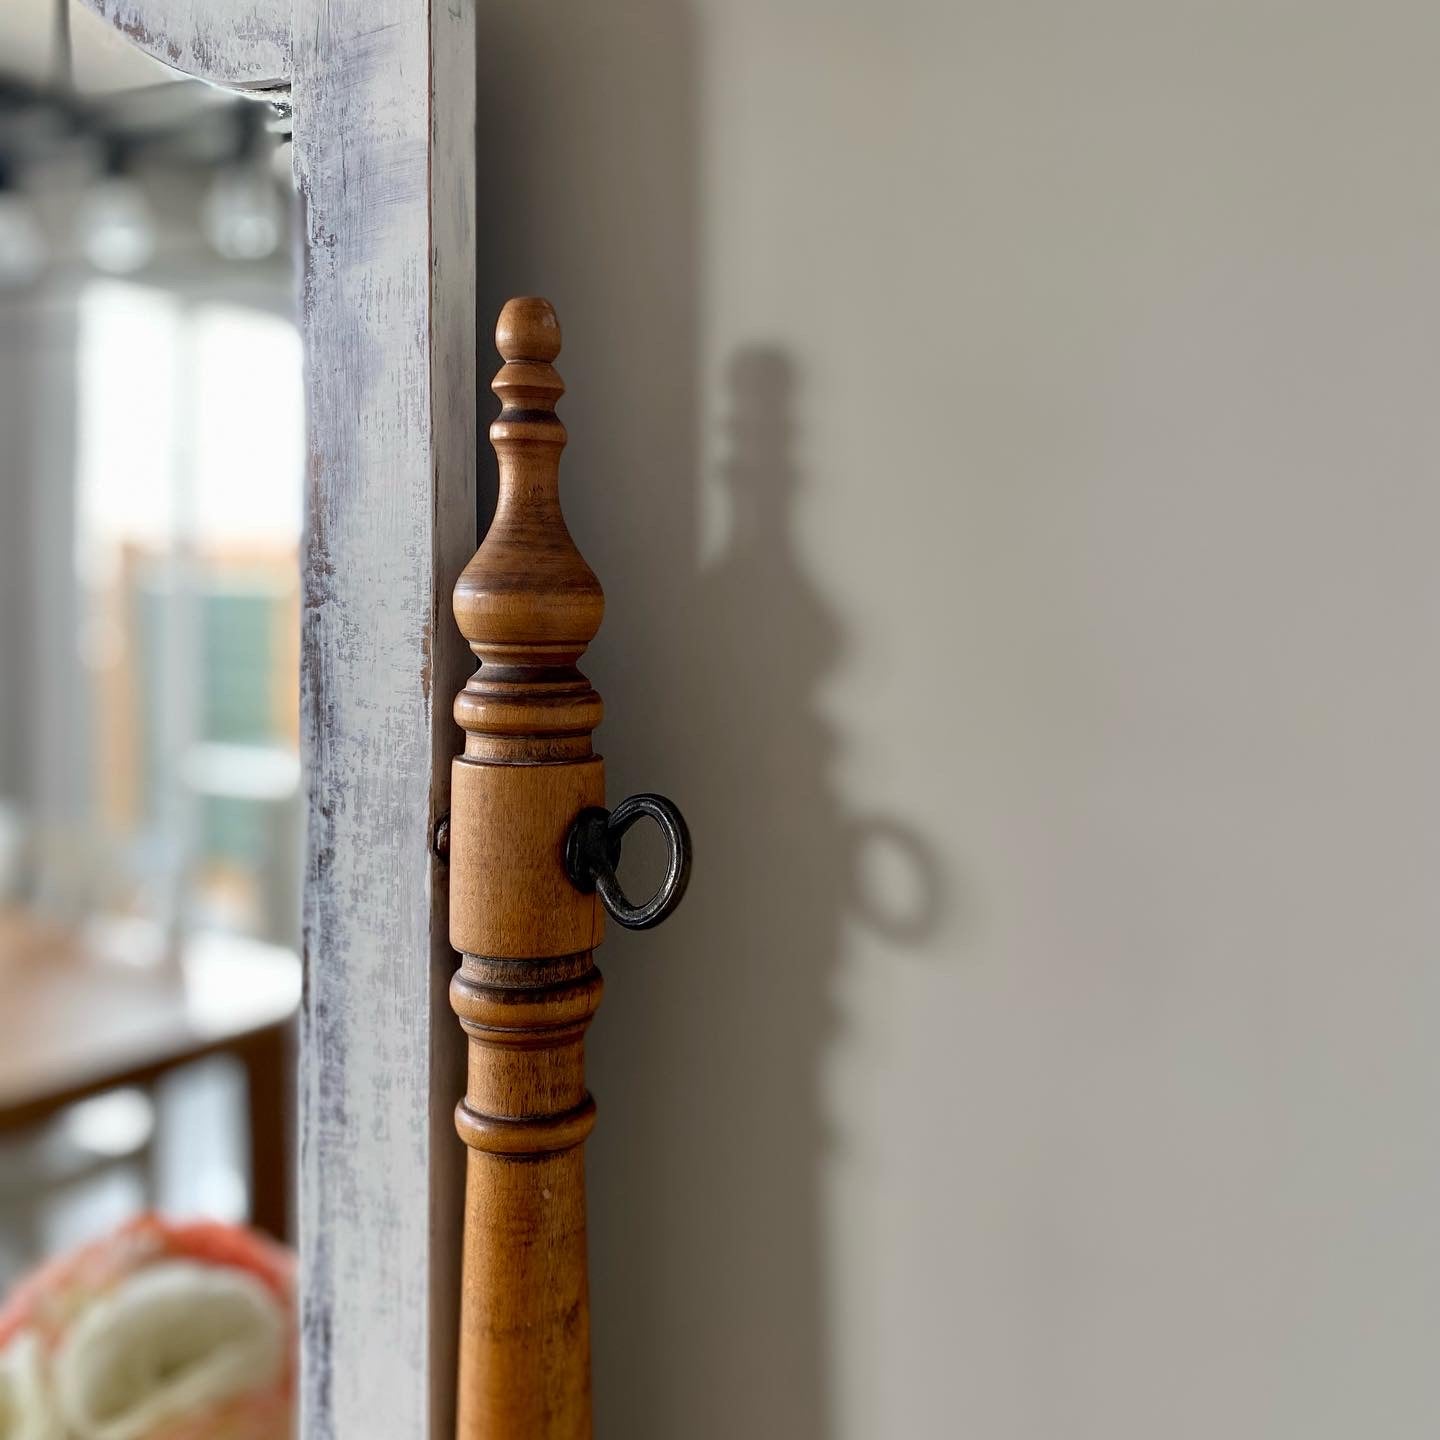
(151,462)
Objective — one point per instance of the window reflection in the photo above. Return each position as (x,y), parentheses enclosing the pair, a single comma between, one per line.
(190,450)
(151,471)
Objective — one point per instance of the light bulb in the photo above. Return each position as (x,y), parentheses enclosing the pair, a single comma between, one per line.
(116,228)
(242,216)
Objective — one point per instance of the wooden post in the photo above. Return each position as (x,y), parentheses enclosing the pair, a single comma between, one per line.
(527,986)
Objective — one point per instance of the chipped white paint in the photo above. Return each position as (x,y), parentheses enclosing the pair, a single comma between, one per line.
(383,93)
(384,139)
(245,45)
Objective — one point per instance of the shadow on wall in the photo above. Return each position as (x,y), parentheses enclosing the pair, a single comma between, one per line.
(724,1133)
(706,1223)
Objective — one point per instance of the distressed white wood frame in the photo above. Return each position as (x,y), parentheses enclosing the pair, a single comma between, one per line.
(383,95)
(241,44)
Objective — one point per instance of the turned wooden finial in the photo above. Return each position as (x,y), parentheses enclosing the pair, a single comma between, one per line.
(528,329)
(528,599)
(527,985)
(532,857)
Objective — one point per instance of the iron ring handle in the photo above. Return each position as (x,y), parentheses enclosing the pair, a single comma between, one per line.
(592,853)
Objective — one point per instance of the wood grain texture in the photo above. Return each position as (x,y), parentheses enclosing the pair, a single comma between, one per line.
(241,46)
(508,824)
(527,987)
(384,109)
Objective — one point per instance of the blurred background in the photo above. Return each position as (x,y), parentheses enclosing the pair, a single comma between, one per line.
(151,441)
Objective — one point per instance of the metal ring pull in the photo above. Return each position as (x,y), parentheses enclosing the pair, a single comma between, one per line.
(592,853)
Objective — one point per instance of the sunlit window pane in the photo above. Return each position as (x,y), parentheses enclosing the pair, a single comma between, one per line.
(191,445)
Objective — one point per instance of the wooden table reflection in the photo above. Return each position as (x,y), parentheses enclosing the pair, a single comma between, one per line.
(82,1012)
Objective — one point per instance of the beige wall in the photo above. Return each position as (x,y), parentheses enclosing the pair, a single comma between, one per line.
(1007,434)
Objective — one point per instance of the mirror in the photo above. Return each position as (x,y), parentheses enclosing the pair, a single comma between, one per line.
(151,470)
